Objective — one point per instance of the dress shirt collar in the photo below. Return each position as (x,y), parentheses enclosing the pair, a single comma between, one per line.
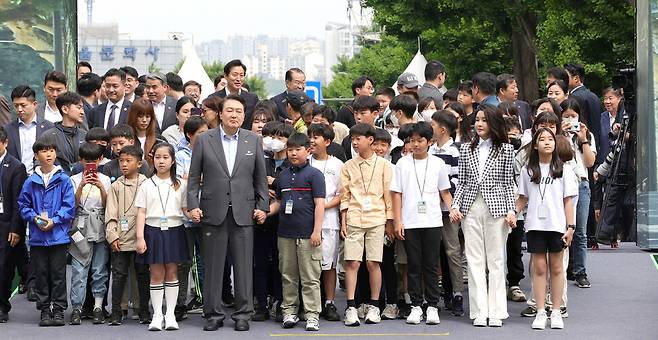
(33,122)
(299,167)
(119,104)
(225,136)
(162,102)
(485,143)
(368,160)
(445,146)
(576,88)
(2,158)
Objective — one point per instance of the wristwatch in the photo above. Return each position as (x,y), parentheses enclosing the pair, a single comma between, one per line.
(571,226)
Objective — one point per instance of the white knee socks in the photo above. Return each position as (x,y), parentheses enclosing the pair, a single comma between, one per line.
(171,296)
(157,291)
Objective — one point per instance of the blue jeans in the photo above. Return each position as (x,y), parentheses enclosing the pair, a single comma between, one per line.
(99,275)
(579,244)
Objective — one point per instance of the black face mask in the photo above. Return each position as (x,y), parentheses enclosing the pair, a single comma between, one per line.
(516,143)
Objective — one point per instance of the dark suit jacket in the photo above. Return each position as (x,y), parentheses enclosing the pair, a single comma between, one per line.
(347,147)
(524,113)
(250,99)
(245,188)
(346,115)
(97,116)
(590,108)
(169,118)
(280,101)
(13,175)
(14,147)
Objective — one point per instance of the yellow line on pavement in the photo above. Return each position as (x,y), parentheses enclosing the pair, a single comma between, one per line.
(354,334)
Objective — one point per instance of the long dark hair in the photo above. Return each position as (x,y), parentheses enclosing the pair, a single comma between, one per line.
(172,170)
(534,171)
(497,131)
(463,125)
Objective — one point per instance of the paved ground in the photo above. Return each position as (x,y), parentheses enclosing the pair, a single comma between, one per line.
(622,304)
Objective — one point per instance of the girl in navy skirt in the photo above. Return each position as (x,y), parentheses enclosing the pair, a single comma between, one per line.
(161,241)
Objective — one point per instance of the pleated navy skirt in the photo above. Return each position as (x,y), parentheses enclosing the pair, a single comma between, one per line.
(164,246)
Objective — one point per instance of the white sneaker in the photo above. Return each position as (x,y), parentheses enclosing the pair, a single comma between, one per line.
(312,324)
(432,317)
(480,322)
(351,317)
(156,322)
(495,323)
(373,315)
(170,322)
(556,319)
(362,310)
(415,316)
(390,312)
(290,321)
(540,320)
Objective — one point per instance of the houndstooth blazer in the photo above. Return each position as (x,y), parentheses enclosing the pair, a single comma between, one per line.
(496,184)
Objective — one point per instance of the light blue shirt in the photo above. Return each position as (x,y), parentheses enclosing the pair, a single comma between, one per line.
(230,144)
(28,136)
(183,158)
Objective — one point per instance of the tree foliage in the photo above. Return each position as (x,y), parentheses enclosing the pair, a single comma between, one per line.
(257,86)
(214,69)
(524,37)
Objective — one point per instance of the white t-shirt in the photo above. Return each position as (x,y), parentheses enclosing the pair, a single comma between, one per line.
(553,190)
(409,179)
(91,195)
(578,162)
(148,197)
(331,170)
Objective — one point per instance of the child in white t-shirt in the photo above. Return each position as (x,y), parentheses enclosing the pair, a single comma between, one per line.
(321,136)
(419,186)
(547,187)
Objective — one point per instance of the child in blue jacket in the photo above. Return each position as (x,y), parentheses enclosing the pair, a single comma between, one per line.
(47,203)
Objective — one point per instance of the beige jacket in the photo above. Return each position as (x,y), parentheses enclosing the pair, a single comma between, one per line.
(120,203)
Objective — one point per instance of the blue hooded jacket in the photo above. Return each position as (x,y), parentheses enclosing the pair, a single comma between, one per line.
(58,199)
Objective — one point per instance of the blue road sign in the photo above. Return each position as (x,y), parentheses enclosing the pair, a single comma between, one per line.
(314,91)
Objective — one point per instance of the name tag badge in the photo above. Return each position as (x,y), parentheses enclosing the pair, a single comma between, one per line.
(367,206)
(123,223)
(164,224)
(2,205)
(77,237)
(422,207)
(542,211)
(289,204)
(81,222)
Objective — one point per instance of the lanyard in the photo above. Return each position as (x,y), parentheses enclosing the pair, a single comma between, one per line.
(422,190)
(164,213)
(372,175)
(134,196)
(323,169)
(2,170)
(542,193)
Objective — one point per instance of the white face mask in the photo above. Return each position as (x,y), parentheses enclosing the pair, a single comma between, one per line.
(394,118)
(267,143)
(427,115)
(277,145)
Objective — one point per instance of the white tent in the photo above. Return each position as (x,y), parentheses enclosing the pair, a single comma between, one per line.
(192,69)
(417,67)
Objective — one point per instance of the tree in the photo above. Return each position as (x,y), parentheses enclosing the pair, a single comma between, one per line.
(519,36)
(153,68)
(256,86)
(178,65)
(214,69)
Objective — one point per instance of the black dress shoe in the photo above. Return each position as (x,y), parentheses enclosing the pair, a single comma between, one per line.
(46,319)
(213,325)
(4,317)
(241,325)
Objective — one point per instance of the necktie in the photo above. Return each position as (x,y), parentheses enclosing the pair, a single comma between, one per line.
(110,120)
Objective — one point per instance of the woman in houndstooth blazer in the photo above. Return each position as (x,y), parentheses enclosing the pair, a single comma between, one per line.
(484,200)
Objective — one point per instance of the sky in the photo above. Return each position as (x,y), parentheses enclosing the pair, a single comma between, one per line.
(215,19)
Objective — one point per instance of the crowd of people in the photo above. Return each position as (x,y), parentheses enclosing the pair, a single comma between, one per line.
(262,209)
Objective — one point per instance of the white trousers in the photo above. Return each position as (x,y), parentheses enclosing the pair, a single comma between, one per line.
(485,239)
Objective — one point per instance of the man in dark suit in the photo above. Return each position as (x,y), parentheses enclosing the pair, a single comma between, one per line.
(507,90)
(164,106)
(590,104)
(362,86)
(27,128)
(89,87)
(115,110)
(54,84)
(234,72)
(295,81)
(233,195)
(12,227)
